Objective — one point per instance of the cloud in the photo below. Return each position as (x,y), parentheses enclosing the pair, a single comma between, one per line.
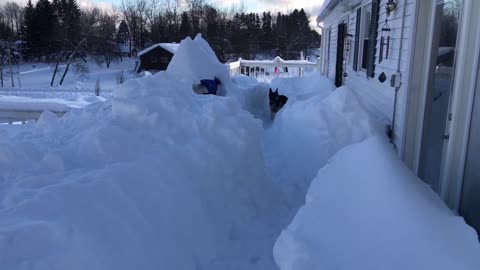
(311,7)
(104,5)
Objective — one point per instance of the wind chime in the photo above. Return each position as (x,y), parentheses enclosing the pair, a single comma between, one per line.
(386,32)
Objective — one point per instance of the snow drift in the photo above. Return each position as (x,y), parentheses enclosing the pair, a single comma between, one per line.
(366,210)
(309,130)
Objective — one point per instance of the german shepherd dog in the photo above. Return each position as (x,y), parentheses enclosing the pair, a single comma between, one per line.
(276,101)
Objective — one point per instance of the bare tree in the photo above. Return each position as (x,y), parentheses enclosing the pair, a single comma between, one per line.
(13,14)
(105,37)
(135,13)
(72,55)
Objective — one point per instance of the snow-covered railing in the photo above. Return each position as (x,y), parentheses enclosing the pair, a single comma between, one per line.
(10,116)
(234,67)
(272,68)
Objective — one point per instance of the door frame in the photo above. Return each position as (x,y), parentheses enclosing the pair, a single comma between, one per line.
(461,103)
(416,96)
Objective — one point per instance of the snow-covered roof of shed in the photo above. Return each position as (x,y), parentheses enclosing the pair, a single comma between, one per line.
(329,5)
(171,47)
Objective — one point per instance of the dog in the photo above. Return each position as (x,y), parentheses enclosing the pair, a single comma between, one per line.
(276,101)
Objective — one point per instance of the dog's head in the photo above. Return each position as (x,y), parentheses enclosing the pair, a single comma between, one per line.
(276,101)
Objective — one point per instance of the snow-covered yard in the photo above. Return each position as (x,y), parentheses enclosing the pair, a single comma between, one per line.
(32,83)
(158,177)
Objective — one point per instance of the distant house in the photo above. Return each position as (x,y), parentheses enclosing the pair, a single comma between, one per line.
(134,52)
(156,57)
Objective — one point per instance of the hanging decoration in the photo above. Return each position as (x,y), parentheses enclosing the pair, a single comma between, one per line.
(382,78)
(385,41)
(390,6)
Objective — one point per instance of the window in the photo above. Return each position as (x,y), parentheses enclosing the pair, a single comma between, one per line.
(154,59)
(365,36)
(164,60)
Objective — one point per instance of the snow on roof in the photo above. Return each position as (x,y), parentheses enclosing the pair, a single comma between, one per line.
(329,5)
(171,47)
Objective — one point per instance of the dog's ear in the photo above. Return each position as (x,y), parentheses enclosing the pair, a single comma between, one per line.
(270,91)
(276,91)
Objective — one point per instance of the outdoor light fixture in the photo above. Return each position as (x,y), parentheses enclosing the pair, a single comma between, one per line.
(390,6)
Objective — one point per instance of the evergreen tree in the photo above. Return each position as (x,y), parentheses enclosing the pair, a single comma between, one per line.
(71,21)
(185,26)
(267,32)
(123,35)
(28,29)
(44,25)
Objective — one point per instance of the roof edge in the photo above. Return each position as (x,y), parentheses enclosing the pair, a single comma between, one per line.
(327,6)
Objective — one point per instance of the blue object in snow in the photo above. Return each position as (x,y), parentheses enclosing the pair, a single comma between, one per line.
(211,85)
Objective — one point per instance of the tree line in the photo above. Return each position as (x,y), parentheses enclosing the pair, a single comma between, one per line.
(59,30)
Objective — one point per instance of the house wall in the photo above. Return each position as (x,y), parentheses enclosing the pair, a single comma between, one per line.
(147,60)
(378,97)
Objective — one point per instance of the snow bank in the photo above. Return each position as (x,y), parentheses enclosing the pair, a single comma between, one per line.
(366,210)
(157,178)
(309,130)
(46,104)
(195,60)
(20,103)
(303,88)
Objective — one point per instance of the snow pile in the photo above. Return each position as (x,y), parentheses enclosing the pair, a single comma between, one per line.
(366,210)
(303,88)
(159,178)
(195,60)
(309,130)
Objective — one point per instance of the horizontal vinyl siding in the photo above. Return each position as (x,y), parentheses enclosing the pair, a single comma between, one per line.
(378,97)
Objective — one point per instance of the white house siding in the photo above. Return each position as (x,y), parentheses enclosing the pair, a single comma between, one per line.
(333,53)
(378,97)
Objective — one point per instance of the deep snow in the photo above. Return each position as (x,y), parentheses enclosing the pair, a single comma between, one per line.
(366,210)
(161,178)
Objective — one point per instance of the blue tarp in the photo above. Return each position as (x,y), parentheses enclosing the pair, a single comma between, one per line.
(211,85)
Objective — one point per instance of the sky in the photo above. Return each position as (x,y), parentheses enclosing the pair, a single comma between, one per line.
(311,6)
(250,5)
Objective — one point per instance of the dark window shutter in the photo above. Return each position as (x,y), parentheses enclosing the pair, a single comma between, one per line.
(357,39)
(372,42)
